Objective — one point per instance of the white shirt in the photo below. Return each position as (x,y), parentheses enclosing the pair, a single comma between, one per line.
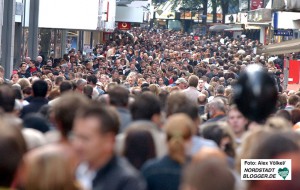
(85,176)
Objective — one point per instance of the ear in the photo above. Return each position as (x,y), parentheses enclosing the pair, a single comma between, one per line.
(156,118)
(110,139)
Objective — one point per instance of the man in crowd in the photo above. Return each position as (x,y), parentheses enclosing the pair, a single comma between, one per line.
(95,129)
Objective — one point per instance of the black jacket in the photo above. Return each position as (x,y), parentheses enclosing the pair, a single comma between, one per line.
(34,106)
(118,174)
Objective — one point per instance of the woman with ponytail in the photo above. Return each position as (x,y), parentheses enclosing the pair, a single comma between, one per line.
(165,173)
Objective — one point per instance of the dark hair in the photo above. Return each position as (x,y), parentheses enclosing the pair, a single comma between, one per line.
(88,91)
(178,103)
(92,79)
(22,64)
(7,98)
(36,121)
(139,147)
(12,149)
(18,93)
(40,88)
(118,96)
(193,81)
(58,80)
(65,86)
(65,110)
(28,90)
(107,117)
(145,106)
(281,101)
(270,146)
(295,116)
(284,114)
(215,132)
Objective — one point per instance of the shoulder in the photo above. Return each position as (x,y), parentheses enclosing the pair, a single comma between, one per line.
(152,165)
(129,177)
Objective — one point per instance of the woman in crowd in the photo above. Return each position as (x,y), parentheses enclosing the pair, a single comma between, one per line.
(165,173)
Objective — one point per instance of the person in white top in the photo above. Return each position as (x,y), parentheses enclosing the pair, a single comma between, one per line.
(191,92)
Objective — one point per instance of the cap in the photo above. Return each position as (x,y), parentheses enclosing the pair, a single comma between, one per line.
(180,80)
(100,56)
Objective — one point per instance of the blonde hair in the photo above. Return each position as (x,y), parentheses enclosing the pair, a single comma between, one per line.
(47,168)
(24,82)
(179,129)
(154,89)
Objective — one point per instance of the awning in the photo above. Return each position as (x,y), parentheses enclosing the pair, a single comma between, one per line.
(259,23)
(219,27)
(291,46)
(233,29)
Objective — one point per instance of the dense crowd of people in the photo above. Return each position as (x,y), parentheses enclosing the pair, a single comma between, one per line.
(147,110)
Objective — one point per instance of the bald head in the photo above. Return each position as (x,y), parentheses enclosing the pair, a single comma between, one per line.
(39,59)
(202,99)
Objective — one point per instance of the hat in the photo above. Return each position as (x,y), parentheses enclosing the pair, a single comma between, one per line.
(180,80)
(100,56)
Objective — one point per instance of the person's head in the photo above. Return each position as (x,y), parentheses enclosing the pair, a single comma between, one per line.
(23,67)
(237,121)
(88,91)
(40,88)
(295,116)
(12,149)
(221,134)
(220,90)
(39,59)
(80,84)
(139,144)
(32,64)
(193,81)
(201,84)
(92,80)
(65,109)
(58,80)
(179,130)
(215,107)
(281,101)
(293,100)
(177,102)
(95,128)
(202,99)
(284,114)
(24,82)
(51,163)
(146,101)
(65,86)
(278,123)
(7,98)
(181,83)
(202,176)
(154,89)
(119,96)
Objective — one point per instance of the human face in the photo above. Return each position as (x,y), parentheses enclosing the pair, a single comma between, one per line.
(201,84)
(15,78)
(237,121)
(182,86)
(89,142)
(160,81)
(23,67)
